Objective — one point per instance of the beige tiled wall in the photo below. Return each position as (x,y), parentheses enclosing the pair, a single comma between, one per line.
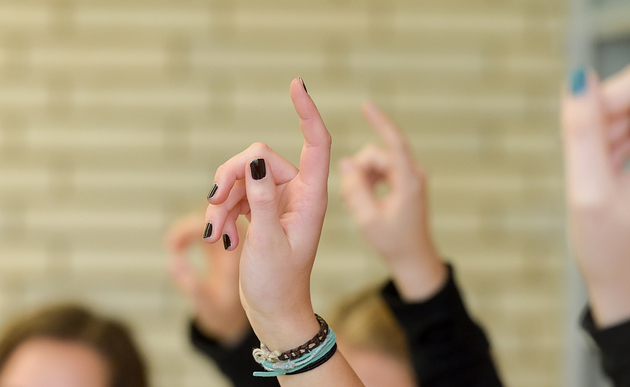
(114,115)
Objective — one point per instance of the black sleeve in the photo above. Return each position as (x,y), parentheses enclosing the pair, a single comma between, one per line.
(614,343)
(447,347)
(236,363)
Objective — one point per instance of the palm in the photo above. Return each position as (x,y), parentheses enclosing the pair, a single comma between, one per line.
(295,217)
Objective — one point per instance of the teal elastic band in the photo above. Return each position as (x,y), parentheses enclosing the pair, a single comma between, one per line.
(291,366)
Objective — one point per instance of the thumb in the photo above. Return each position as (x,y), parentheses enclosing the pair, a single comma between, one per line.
(263,202)
(315,157)
(588,163)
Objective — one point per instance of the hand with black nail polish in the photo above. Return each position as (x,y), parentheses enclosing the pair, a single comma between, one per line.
(286,208)
(395,222)
(596,132)
(213,295)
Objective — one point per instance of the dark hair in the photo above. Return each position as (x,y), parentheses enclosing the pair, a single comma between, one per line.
(74,323)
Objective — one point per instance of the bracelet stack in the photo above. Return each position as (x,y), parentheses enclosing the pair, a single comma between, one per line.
(304,358)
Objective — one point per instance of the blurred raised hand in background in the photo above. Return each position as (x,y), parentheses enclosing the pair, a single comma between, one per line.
(395,222)
(385,191)
(213,294)
(596,122)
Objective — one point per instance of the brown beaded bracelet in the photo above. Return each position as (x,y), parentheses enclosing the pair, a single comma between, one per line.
(263,354)
(313,343)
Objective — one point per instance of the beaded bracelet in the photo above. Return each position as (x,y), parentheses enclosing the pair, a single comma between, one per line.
(264,354)
(313,359)
(304,358)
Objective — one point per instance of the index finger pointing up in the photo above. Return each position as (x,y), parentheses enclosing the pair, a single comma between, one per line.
(386,129)
(396,142)
(315,158)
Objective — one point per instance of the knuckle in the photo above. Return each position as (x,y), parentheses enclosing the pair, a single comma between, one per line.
(262,198)
(328,139)
(371,148)
(221,170)
(259,148)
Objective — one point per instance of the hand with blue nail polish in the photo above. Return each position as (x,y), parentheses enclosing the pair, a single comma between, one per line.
(214,296)
(286,209)
(596,131)
(396,222)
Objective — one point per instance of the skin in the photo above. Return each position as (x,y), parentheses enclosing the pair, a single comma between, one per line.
(376,369)
(596,130)
(219,313)
(214,296)
(44,362)
(396,223)
(286,209)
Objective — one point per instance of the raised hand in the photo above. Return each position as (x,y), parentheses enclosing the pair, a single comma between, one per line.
(286,207)
(596,124)
(214,296)
(396,222)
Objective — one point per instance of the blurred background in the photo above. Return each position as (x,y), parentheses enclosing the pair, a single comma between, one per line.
(115,114)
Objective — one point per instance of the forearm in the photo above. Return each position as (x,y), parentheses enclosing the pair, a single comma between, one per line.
(335,372)
(419,274)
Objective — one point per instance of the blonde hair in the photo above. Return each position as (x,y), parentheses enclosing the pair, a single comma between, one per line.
(364,321)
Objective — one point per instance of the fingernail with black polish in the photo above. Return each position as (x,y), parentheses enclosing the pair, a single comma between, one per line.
(303,85)
(213,191)
(227,243)
(208,231)
(258,169)
(578,81)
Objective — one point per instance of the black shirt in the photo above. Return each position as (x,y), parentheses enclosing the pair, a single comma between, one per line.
(447,348)
(614,343)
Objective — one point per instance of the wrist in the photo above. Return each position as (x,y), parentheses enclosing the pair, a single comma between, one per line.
(284,332)
(610,304)
(418,276)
